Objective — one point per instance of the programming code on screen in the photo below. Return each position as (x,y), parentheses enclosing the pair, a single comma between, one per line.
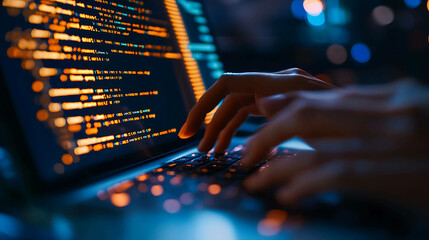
(108,78)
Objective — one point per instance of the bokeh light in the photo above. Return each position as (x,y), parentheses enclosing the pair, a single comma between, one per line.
(313,7)
(269,227)
(157,190)
(37,86)
(142,188)
(42,115)
(337,16)
(212,225)
(214,189)
(120,199)
(336,54)
(298,10)
(59,168)
(361,53)
(67,159)
(272,224)
(316,21)
(171,205)
(383,15)
(187,198)
(412,3)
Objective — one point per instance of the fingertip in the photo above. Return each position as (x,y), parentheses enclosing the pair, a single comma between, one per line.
(219,151)
(182,133)
(248,158)
(221,147)
(184,136)
(203,148)
(185,132)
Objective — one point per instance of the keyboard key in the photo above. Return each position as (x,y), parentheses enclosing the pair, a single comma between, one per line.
(194,155)
(227,159)
(197,162)
(182,160)
(224,167)
(210,169)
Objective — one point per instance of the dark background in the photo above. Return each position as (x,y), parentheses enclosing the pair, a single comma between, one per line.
(271,35)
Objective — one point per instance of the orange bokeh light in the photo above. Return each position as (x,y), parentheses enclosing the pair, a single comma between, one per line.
(277,215)
(157,190)
(37,86)
(120,199)
(214,189)
(67,159)
(42,115)
(142,177)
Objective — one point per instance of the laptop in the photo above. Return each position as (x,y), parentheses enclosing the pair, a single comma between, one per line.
(94,93)
(96,86)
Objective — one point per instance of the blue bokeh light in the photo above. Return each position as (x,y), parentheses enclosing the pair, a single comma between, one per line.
(337,16)
(297,8)
(316,21)
(361,53)
(413,3)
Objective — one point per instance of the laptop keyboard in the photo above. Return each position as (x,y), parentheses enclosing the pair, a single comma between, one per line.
(193,175)
(227,166)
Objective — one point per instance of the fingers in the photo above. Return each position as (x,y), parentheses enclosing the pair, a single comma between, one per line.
(228,133)
(280,170)
(270,106)
(328,177)
(310,120)
(226,112)
(383,148)
(246,83)
(398,181)
(257,84)
(290,122)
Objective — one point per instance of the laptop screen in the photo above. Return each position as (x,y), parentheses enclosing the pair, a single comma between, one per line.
(94,82)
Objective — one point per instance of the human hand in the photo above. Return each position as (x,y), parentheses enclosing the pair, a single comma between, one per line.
(241,94)
(370,141)
(396,180)
(394,115)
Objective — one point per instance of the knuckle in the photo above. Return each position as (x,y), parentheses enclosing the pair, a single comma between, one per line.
(224,79)
(299,71)
(295,69)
